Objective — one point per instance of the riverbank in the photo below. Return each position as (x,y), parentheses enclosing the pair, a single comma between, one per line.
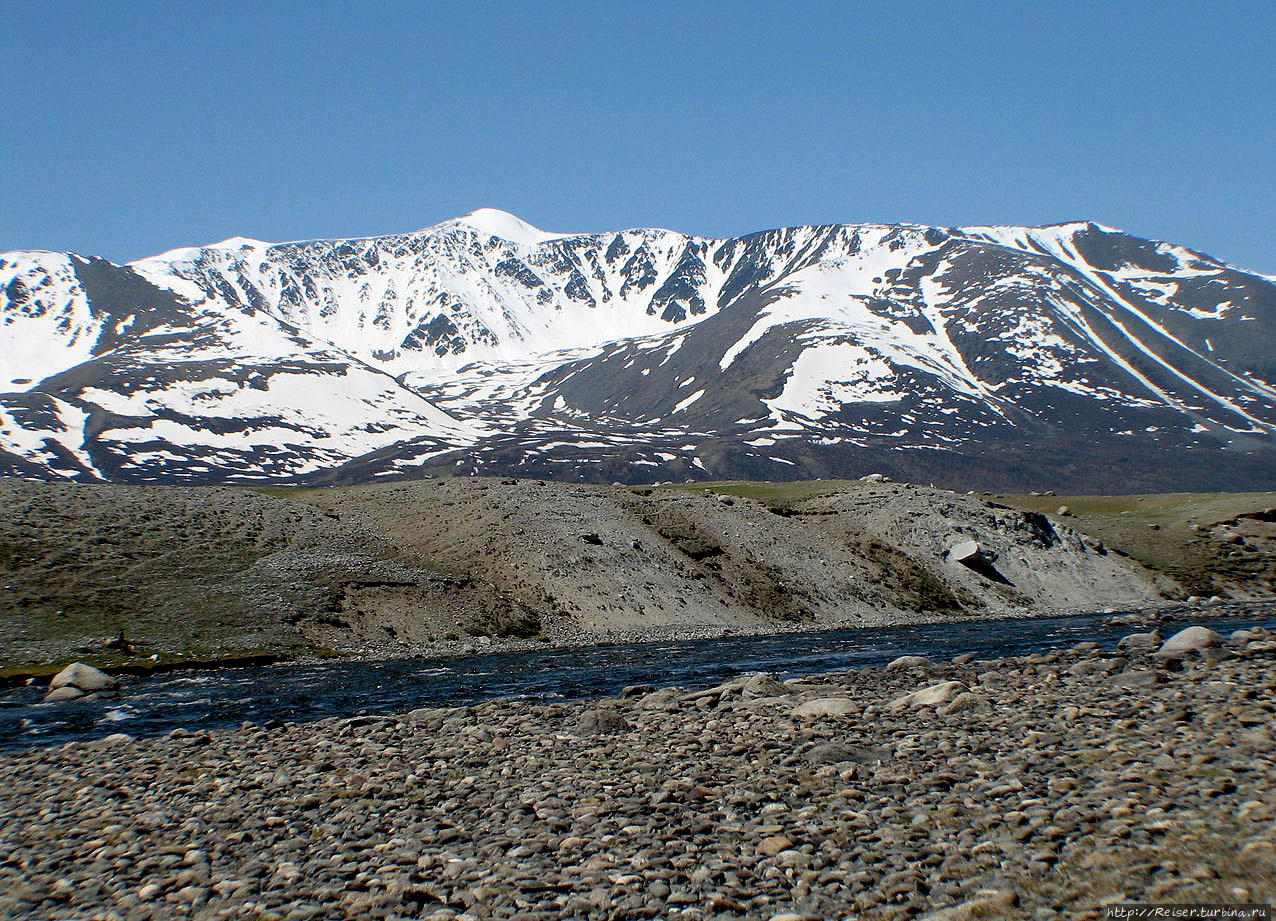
(137,666)
(1044,786)
(121,575)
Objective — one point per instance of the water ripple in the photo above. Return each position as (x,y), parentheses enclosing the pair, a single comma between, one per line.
(313,691)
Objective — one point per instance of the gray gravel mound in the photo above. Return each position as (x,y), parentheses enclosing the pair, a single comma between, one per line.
(446,565)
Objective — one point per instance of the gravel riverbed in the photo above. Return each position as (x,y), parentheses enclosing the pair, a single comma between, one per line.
(1042,786)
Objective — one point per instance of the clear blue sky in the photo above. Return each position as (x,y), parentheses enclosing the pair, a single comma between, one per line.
(131,128)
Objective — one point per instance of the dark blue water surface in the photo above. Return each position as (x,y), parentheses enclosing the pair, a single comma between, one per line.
(227,697)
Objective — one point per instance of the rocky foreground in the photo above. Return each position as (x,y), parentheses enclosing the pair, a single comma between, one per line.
(1042,787)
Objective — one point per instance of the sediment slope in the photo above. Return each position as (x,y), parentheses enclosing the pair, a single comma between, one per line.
(394,569)
(609,559)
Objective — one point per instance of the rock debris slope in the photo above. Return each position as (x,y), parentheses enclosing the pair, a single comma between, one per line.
(990,356)
(407,568)
(601,560)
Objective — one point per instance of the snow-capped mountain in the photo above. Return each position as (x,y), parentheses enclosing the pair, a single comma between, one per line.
(1071,355)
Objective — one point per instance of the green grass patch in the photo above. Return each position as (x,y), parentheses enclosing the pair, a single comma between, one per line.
(1166,532)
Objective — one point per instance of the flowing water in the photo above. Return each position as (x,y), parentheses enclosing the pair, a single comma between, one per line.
(228,697)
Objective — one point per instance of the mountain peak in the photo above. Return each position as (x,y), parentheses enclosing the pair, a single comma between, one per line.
(240,243)
(190,253)
(498,223)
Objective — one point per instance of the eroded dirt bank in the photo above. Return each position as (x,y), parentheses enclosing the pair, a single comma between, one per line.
(116,574)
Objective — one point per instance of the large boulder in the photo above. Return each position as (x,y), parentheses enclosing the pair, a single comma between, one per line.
(64,693)
(763,685)
(722,691)
(1134,617)
(965,702)
(115,738)
(85,677)
(666,699)
(1241,637)
(971,554)
(825,706)
(1087,667)
(987,903)
(1134,680)
(601,721)
(1196,640)
(79,680)
(936,695)
(966,551)
(1139,643)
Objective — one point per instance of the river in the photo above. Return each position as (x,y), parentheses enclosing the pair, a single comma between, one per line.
(303,692)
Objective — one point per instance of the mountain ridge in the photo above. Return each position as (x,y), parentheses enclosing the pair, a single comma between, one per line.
(498,214)
(483,344)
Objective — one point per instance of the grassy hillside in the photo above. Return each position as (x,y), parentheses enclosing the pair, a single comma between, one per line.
(1210,543)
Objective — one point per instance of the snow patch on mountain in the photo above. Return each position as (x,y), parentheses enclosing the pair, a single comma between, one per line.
(497,223)
(46,321)
(828,376)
